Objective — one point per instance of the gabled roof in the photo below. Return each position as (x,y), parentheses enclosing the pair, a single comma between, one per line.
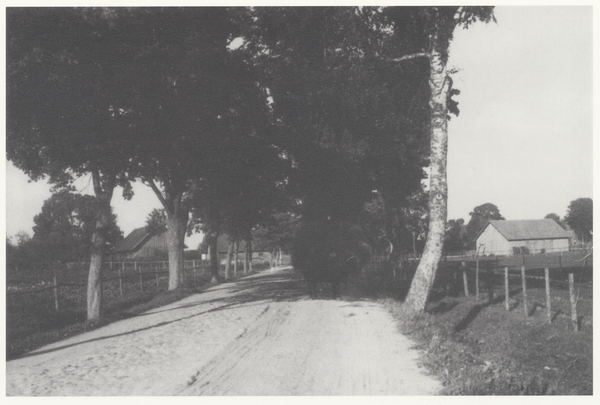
(135,240)
(528,229)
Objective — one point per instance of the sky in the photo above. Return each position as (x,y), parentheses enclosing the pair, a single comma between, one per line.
(522,141)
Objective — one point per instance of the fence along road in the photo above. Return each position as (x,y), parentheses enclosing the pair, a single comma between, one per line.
(259,335)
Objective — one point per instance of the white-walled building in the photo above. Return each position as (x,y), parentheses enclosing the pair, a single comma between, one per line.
(501,237)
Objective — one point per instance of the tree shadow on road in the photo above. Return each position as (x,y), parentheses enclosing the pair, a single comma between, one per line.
(281,286)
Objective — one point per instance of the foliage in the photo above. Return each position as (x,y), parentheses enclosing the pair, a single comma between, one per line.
(556,219)
(350,121)
(62,232)
(480,216)
(278,234)
(580,216)
(156,222)
(65,68)
(456,236)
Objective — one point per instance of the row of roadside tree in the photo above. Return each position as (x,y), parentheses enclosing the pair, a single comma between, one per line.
(240,117)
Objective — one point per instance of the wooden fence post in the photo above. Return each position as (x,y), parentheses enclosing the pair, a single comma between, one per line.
(477,279)
(55,290)
(506,291)
(573,303)
(524,291)
(464,273)
(560,260)
(548,301)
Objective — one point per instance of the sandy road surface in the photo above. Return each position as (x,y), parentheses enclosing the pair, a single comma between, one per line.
(257,336)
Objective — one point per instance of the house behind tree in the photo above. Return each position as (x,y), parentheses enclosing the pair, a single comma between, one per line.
(501,237)
(141,245)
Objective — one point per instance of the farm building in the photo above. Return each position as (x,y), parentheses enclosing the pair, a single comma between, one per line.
(502,237)
(141,245)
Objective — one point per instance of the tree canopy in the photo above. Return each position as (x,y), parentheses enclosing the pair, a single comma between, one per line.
(580,218)
(331,109)
(480,216)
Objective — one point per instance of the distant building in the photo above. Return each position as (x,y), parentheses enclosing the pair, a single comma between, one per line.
(141,245)
(502,237)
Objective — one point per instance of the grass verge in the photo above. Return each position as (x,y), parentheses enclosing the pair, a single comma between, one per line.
(478,348)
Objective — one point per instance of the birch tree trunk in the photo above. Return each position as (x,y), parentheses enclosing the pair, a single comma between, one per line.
(94,288)
(438,187)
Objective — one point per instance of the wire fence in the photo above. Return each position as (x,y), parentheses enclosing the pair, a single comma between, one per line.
(62,286)
(561,282)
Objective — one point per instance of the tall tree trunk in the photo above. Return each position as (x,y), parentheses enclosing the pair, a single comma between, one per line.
(214,257)
(103,194)
(249,249)
(176,228)
(236,251)
(246,260)
(272,259)
(177,220)
(229,257)
(438,187)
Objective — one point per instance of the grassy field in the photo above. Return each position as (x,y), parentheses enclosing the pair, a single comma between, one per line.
(476,347)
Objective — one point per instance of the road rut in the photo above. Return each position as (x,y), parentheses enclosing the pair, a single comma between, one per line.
(256,336)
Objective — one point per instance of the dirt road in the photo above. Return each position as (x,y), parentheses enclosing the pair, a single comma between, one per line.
(257,336)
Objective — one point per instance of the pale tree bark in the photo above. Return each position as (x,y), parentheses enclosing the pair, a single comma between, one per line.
(249,250)
(214,257)
(103,194)
(229,257)
(438,188)
(236,252)
(272,259)
(212,235)
(176,227)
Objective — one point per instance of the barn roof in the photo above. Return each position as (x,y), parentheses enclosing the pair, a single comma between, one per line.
(529,229)
(135,240)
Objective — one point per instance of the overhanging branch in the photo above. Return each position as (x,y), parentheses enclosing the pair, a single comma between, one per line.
(158,193)
(412,56)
